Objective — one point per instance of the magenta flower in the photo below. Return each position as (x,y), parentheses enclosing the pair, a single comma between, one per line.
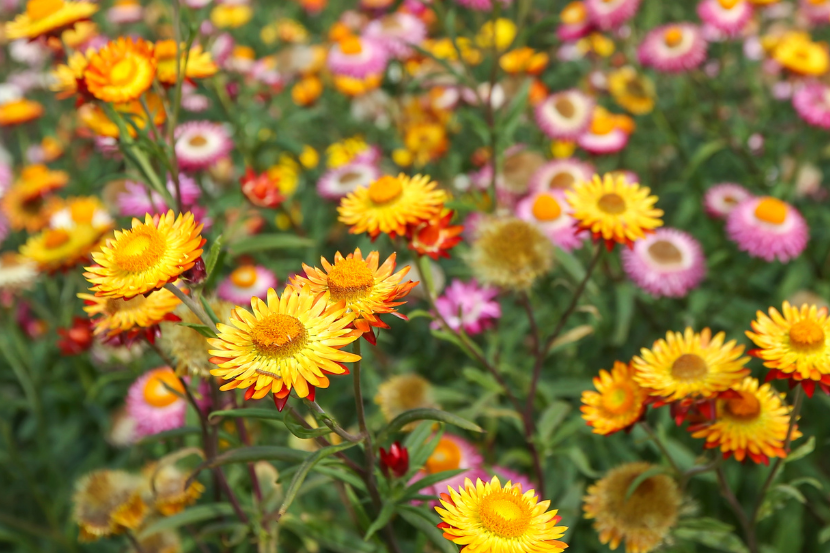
(667,263)
(768,228)
(468,306)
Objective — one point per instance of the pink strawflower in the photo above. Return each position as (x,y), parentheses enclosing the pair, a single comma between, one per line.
(768,228)
(607,143)
(721,199)
(812,102)
(468,306)
(610,14)
(673,48)
(222,48)
(817,12)
(574,22)
(561,174)
(371,58)
(138,200)
(667,263)
(246,282)
(566,114)
(338,182)
(153,406)
(481,5)
(395,32)
(729,20)
(199,144)
(548,210)
(451,453)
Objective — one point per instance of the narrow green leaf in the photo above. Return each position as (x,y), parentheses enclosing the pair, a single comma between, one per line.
(305,468)
(791,491)
(200,328)
(717,540)
(580,461)
(386,512)
(189,516)
(417,313)
(653,471)
(426,523)
(428,481)
(249,455)
(344,475)
(824,535)
(209,310)
(213,254)
(265,242)
(426,414)
(802,451)
(419,455)
(625,312)
(551,418)
(305,433)
(251,413)
(426,273)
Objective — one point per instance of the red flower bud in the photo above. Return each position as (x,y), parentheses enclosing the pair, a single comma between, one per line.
(396,460)
(261,190)
(77,338)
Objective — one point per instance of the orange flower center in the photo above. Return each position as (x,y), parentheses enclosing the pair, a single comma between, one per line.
(664,252)
(197,141)
(139,249)
(611,203)
(350,279)
(350,45)
(505,514)
(745,407)
(618,400)
(689,366)
(244,276)
(806,335)
(673,37)
(82,211)
(546,208)
(385,190)
(40,9)
(574,13)
(447,456)
(602,125)
(55,238)
(565,107)
(771,210)
(123,71)
(561,180)
(279,335)
(162,387)
(729,4)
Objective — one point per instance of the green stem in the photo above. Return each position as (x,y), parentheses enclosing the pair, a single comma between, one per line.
(656,439)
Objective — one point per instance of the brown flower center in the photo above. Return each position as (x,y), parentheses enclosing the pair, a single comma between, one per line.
(349,280)
(385,190)
(689,366)
(565,107)
(664,252)
(611,203)
(806,335)
(350,177)
(197,141)
(561,180)
(279,335)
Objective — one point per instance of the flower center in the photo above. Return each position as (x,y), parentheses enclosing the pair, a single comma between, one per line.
(39,9)
(729,4)
(279,335)
(745,407)
(55,238)
(806,335)
(771,210)
(561,180)
(350,279)
(729,200)
(665,253)
(546,208)
(565,107)
(114,306)
(385,190)
(447,456)
(391,23)
(349,177)
(673,36)
(689,366)
(158,388)
(244,276)
(139,249)
(574,13)
(32,206)
(82,211)
(504,514)
(351,46)
(602,125)
(197,141)
(618,400)
(123,71)
(611,203)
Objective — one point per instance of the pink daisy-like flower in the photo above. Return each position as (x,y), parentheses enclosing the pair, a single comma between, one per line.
(561,174)
(673,48)
(817,11)
(246,282)
(338,182)
(200,143)
(505,474)
(152,403)
(451,453)
(357,57)
(125,12)
(610,14)
(574,22)
(667,263)
(395,32)
(603,143)
(721,199)
(549,210)
(812,103)
(565,114)
(137,200)
(726,16)
(768,228)
(468,306)
(6,177)
(222,48)
(481,6)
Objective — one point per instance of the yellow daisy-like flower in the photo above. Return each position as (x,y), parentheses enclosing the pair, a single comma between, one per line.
(618,402)
(797,52)
(633,92)
(107,502)
(19,111)
(794,343)
(81,32)
(167,486)
(751,420)
(644,519)
(389,204)
(491,518)
(343,152)
(404,393)
(147,256)
(186,346)
(231,16)
(121,71)
(95,119)
(55,249)
(69,78)
(112,316)
(48,17)
(199,63)
(292,341)
(690,365)
(27,204)
(613,209)
(367,289)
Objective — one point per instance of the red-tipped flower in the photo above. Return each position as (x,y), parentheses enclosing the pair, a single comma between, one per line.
(77,338)
(261,190)
(396,460)
(435,237)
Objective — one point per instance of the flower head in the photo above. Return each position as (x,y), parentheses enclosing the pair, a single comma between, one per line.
(610,14)
(245,282)
(186,346)
(768,228)
(340,181)
(357,57)
(667,263)
(199,63)
(55,249)
(113,316)
(618,403)
(403,393)
(812,103)
(199,144)
(260,189)
(510,253)
(435,237)
(166,483)
(121,71)
(728,16)
(721,199)
(396,31)
(48,18)
(551,213)
(673,48)
(565,114)
(156,401)
(396,460)
(27,204)
(107,502)
(632,91)
(797,52)
(574,22)
(560,174)
(95,118)
(19,111)
(468,306)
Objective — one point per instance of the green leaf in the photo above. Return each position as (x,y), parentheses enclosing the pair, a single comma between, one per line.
(551,418)
(305,468)
(265,242)
(791,491)
(200,328)
(251,413)
(706,524)
(305,433)
(343,475)
(515,111)
(425,268)
(703,153)
(426,414)
(430,480)
(170,434)
(189,516)
(483,379)
(802,451)
(213,255)
(426,523)
(209,310)
(717,540)
(807,480)
(417,313)
(580,461)
(653,471)
(386,512)
(418,455)
(625,312)
(824,535)
(249,455)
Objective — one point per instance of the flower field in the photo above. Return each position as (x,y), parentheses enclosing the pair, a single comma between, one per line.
(400,276)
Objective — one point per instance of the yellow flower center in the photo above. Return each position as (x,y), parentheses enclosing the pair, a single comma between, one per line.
(565,107)
(139,249)
(574,13)
(197,141)
(664,252)
(82,211)
(673,37)
(40,9)
(158,389)
(279,335)
(806,335)
(602,125)
(745,407)
(351,46)
(505,514)
(350,279)
(561,180)
(611,203)
(123,71)
(385,190)
(244,276)
(618,400)
(729,4)
(546,208)
(447,456)
(689,366)
(55,238)
(771,210)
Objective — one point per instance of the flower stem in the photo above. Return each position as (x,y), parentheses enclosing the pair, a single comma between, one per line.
(656,439)
(748,527)
(192,305)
